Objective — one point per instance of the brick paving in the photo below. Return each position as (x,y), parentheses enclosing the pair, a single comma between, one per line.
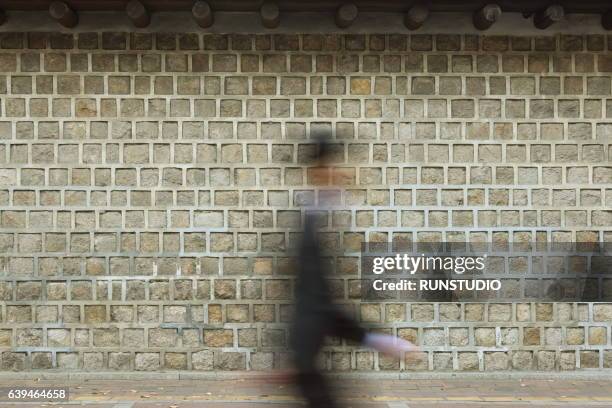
(262,391)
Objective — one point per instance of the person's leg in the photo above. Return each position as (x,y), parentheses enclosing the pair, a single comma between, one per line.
(306,340)
(315,389)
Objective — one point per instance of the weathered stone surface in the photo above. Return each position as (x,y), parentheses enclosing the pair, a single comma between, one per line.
(151,184)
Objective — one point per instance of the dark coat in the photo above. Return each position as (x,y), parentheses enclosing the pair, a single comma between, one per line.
(316,316)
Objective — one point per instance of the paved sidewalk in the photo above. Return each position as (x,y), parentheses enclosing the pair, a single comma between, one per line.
(262,391)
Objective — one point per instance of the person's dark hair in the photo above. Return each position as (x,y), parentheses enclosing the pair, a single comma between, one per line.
(325,151)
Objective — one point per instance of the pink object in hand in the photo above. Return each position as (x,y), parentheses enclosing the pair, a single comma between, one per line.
(387,344)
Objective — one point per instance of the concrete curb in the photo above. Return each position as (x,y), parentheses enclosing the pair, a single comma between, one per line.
(190,375)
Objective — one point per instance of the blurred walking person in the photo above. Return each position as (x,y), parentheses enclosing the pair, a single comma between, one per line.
(316,316)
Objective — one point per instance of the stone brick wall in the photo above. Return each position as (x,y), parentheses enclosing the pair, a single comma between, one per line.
(150,183)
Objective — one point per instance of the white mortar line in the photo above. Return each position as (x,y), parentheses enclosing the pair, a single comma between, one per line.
(397,405)
(601,374)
